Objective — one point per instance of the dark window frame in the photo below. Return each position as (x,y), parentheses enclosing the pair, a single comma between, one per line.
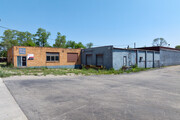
(52,55)
(140,59)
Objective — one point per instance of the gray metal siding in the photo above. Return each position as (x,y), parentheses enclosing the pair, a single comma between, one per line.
(169,57)
(149,58)
(106,51)
(157,59)
(118,55)
(88,59)
(141,63)
(99,60)
(114,58)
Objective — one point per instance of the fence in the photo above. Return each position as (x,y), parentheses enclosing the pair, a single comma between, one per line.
(3,59)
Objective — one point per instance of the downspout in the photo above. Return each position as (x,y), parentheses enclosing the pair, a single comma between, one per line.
(137,56)
(145,59)
(112,57)
(153,59)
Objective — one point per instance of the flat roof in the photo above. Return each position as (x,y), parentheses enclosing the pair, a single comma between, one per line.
(157,48)
(133,49)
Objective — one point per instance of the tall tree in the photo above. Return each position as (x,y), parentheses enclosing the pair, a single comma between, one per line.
(41,37)
(9,39)
(70,44)
(60,41)
(177,47)
(89,45)
(73,44)
(79,45)
(25,39)
(3,53)
(159,42)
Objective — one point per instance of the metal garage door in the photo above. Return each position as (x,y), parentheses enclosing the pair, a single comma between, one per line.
(89,59)
(99,60)
(72,57)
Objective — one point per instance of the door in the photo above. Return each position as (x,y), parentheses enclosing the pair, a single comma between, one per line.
(99,60)
(89,59)
(21,61)
(124,61)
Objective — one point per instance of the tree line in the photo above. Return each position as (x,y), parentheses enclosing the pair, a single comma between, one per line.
(40,38)
(162,42)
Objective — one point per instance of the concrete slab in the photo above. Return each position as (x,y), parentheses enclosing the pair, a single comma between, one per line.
(149,95)
(9,109)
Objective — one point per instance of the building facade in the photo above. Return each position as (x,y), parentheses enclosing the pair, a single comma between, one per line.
(116,58)
(168,56)
(21,56)
(106,56)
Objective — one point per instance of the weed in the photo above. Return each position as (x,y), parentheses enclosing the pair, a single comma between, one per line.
(8,71)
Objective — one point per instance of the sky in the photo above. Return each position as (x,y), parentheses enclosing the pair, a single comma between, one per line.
(102,22)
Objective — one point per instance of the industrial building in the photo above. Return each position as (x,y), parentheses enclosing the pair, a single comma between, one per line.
(21,56)
(168,56)
(111,57)
(106,56)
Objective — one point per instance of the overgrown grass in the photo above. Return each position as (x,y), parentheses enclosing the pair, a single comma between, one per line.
(8,71)
(2,64)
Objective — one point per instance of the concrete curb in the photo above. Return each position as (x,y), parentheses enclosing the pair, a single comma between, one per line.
(9,109)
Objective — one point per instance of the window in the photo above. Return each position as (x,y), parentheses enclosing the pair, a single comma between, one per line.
(72,57)
(48,58)
(140,59)
(52,57)
(124,61)
(57,58)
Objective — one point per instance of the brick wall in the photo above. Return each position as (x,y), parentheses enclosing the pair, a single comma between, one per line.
(40,56)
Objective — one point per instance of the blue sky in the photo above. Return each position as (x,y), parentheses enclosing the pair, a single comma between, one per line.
(102,22)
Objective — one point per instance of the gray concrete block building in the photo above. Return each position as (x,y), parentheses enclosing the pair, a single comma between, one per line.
(111,57)
(168,56)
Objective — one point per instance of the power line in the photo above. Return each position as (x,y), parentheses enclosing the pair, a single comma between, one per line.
(9,28)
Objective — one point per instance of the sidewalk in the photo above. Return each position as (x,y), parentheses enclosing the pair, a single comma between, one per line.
(9,109)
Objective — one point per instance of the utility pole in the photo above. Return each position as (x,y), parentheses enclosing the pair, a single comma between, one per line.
(134,45)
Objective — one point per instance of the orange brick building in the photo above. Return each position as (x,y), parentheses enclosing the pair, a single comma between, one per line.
(23,56)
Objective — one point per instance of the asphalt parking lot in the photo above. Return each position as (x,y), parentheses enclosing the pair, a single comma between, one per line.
(149,95)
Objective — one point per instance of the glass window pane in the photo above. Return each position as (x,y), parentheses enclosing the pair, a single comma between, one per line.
(52,58)
(57,58)
(47,58)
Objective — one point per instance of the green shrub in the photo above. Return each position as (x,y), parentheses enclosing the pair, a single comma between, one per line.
(124,68)
(134,66)
(3,74)
(10,65)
